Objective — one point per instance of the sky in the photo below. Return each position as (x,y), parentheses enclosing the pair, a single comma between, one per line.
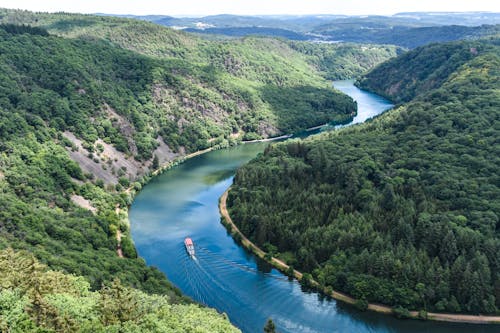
(252,7)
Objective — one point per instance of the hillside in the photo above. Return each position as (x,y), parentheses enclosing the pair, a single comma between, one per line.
(214,81)
(193,94)
(346,60)
(402,210)
(418,72)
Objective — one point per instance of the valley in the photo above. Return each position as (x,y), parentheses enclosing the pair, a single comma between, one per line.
(102,113)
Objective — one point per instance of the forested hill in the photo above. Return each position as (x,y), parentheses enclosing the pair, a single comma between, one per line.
(403,210)
(417,72)
(195,93)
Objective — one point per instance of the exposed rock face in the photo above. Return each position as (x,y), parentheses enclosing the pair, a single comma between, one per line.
(82,202)
(109,164)
(163,151)
(125,127)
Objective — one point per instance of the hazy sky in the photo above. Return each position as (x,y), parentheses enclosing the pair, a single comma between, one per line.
(252,7)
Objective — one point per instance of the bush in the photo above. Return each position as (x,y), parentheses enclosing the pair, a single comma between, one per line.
(401,312)
(361,304)
(422,314)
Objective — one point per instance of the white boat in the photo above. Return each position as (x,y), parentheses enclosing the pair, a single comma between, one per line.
(188,242)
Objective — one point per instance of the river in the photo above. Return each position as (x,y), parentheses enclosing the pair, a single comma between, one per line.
(184,202)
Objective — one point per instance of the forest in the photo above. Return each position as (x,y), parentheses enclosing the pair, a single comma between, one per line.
(404,209)
(36,299)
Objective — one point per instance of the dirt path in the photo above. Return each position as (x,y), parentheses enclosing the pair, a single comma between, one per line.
(338,295)
(119,241)
(119,251)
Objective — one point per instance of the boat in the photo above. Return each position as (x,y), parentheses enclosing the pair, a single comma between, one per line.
(188,242)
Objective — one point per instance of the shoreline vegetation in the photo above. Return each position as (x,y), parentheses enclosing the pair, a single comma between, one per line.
(286,269)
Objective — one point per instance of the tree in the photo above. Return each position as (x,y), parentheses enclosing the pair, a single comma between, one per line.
(270,327)
(156,163)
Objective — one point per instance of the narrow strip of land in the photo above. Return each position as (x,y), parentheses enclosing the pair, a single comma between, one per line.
(282,266)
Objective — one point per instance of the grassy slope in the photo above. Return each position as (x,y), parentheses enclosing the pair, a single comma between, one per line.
(402,210)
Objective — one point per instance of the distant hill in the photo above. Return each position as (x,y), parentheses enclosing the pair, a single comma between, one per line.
(454,18)
(403,29)
(251,31)
(405,36)
(304,23)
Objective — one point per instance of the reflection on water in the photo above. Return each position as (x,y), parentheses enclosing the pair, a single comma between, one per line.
(218,176)
(184,202)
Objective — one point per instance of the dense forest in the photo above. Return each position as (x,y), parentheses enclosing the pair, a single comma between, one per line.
(250,88)
(250,31)
(36,299)
(417,72)
(403,210)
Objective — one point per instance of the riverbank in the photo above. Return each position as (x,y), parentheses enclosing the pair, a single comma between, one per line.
(282,266)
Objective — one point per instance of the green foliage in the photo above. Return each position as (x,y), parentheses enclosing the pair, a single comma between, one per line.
(34,299)
(403,210)
(401,312)
(129,84)
(37,214)
(420,71)
(361,304)
(23,29)
(270,327)
(345,61)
